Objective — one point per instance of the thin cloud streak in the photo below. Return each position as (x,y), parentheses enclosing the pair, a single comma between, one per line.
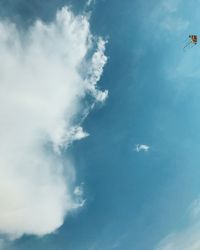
(186,238)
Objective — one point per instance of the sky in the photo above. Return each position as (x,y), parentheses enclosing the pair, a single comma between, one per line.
(99,125)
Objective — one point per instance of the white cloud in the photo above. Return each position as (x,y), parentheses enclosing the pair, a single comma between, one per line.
(141,147)
(44,76)
(187,238)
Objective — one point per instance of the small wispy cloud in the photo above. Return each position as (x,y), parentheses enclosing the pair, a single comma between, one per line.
(78,192)
(142,147)
(90,2)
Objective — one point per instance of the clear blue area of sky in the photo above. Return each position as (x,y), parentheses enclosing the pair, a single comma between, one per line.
(134,199)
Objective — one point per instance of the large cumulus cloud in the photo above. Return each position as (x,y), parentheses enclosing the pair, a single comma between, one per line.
(45,73)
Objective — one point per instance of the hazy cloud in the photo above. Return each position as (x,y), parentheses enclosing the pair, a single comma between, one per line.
(194,209)
(187,238)
(45,73)
(166,16)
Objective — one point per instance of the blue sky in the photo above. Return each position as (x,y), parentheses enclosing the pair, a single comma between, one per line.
(129,199)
